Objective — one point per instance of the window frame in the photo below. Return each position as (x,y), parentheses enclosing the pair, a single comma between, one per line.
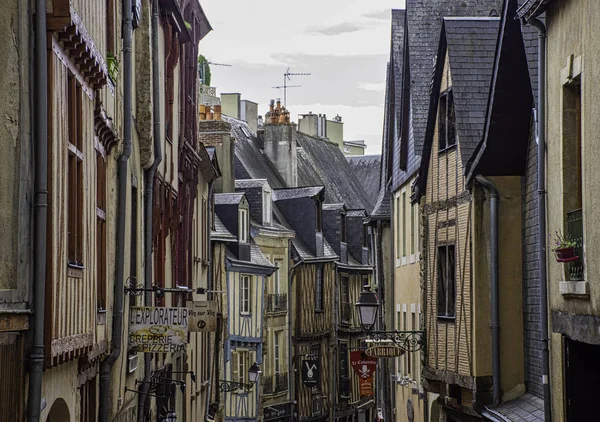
(277,276)
(277,352)
(319,289)
(446,121)
(267,207)
(243,225)
(245,301)
(75,172)
(446,285)
(101,241)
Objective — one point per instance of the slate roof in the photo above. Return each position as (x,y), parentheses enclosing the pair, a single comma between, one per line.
(356,213)
(220,233)
(424,23)
(329,162)
(471,47)
(306,255)
(531,9)
(333,207)
(249,183)
(228,198)
(527,408)
(366,168)
(257,259)
(294,193)
(250,162)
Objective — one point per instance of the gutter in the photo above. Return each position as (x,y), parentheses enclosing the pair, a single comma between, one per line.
(148,201)
(40,148)
(122,176)
(493,192)
(210,285)
(541,182)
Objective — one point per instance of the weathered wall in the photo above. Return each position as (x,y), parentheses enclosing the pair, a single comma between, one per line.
(280,148)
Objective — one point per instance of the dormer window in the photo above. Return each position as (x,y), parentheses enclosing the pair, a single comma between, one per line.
(244,225)
(267,207)
(447,121)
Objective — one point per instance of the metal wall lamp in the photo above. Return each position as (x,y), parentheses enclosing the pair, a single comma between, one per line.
(253,374)
(368,307)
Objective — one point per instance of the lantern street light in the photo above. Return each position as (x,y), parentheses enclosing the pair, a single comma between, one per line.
(253,376)
(368,307)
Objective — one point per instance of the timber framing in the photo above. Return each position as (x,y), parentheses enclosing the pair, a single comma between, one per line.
(450,203)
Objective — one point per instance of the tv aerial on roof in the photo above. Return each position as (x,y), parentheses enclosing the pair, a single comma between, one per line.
(285,86)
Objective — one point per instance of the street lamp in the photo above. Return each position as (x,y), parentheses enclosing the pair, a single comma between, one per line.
(367,308)
(253,375)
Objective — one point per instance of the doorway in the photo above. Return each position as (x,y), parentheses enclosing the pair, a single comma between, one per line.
(582,379)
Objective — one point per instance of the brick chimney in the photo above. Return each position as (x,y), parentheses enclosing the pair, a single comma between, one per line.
(279,143)
(212,131)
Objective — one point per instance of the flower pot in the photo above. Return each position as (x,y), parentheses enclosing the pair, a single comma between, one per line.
(565,254)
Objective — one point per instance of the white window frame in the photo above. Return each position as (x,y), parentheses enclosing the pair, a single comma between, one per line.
(243,225)
(277,277)
(245,295)
(267,207)
(277,352)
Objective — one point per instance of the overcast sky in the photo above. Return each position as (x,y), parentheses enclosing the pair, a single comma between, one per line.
(344,44)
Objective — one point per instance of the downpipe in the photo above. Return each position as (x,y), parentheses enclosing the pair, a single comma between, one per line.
(40,145)
(143,398)
(117,322)
(494,281)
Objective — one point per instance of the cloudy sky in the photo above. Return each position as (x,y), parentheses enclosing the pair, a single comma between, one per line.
(344,44)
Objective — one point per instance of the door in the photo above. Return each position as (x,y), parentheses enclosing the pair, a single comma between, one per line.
(582,379)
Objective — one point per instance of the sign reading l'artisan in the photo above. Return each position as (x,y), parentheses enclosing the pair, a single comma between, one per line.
(158,330)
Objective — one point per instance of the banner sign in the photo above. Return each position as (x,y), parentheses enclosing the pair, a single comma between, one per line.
(366,387)
(158,330)
(363,365)
(311,372)
(203,316)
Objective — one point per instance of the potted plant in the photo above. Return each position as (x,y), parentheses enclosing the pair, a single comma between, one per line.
(113,67)
(564,249)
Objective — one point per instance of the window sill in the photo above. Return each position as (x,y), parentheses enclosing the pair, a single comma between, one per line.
(246,314)
(450,148)
(319,311)
(574,289)
(75,270)
(449,319)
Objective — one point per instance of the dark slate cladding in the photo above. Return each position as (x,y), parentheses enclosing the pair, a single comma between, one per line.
(341,184)
(332,226)
(302,222)
(471,47)
(395,92)
(355,236)
(250,162)
(366,169)
(254,197)
(307,176)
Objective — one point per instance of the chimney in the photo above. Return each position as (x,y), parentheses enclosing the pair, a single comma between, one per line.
(231,104)
(212,131)
(249,114)
(280,145)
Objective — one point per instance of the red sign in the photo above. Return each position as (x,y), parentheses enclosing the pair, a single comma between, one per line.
(363,365)
(366,387)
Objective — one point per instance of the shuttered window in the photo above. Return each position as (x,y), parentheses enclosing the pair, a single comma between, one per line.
(245,292)
(446,281)
(319,289)
(75,173)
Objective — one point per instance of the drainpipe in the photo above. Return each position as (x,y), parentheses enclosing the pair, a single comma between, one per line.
(291,386)
(148,202)
(210,285)
(117,323)
(36,356)
(493,192)
(541,182)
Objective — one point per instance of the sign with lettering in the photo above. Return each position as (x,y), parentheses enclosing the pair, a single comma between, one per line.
(158,330)
(203,316)
(311,372)
(366,387)
(363,365)
(384,351)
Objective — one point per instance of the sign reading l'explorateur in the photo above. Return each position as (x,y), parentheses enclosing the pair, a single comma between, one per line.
(158,330)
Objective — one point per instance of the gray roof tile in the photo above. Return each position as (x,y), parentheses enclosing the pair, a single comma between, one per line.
(367,171)
(294,193)
(228,198)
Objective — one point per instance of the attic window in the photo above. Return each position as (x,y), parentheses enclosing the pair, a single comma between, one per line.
(267,207)
(447,121)
(243,225)
(246,132)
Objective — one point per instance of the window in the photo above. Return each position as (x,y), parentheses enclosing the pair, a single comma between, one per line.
(243,225)
(239,366)
(101,229)
(446,282)
(319,289)
(344,371)
(75,173)
(345,290)
(204,230)
(397,213)
(277,277)
(110,26)
(413,229)
(447,121)
(267,211)
(403,240)
(245,292)
(276,353)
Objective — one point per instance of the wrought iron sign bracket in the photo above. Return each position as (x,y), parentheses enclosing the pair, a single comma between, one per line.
(139,289)
(410,341)
(229,386)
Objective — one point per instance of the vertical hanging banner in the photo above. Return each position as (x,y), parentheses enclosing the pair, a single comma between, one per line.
(363,365)
(366,387)
(158,330)
(311,372)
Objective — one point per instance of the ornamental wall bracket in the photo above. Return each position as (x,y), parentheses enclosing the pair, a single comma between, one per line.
(409,341)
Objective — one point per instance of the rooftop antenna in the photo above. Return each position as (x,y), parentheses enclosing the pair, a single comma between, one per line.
(286,77)
(286,87)
(203,68)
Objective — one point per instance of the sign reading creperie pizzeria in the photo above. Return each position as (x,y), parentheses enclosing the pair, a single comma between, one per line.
(158,330)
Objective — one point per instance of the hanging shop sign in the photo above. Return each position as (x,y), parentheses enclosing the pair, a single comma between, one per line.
(203,316)
(363,365)
(311,372)
(366,387)
(384,351)
(158,330)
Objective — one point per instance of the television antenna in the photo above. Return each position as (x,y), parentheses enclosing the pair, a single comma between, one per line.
(286,87)
(286,78)
(203,68)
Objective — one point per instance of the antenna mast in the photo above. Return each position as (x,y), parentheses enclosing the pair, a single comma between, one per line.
(286,77)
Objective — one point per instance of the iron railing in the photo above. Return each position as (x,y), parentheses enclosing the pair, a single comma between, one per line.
(277,302)
(346,313)
(575,234)
(276,383)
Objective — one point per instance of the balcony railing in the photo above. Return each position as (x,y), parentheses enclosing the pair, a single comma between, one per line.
(346,313)
(575,233)
(276,383)
(277,302)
